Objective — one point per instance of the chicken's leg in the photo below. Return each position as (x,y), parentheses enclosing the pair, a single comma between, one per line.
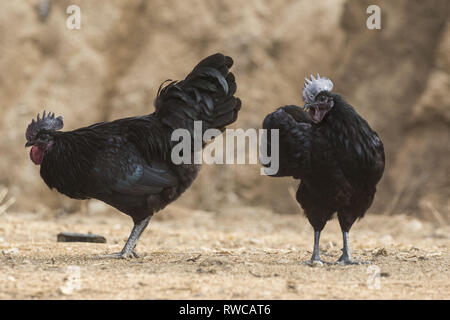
(128,250)
(346,221)
(315,258)
(346,257)
(317,217)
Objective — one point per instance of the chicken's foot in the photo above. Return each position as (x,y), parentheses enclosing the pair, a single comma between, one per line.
(128,250)
(345,258)
(315,259)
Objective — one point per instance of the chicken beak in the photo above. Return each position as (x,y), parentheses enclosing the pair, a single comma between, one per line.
(29,144)
(315,112)
(308,106)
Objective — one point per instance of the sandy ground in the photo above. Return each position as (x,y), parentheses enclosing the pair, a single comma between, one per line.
(241,253)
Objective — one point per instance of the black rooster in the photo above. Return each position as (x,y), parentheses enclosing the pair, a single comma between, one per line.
(127,163)
(336,155)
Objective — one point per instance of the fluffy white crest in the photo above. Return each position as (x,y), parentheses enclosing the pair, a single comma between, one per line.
(314,86)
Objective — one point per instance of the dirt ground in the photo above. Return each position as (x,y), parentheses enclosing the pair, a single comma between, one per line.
(240,253)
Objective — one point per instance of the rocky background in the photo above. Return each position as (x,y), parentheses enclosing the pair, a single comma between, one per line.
(398,78)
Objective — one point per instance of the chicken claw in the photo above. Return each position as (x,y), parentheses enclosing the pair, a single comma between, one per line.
(120,255)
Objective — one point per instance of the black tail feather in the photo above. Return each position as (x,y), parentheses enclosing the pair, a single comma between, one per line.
(207,94)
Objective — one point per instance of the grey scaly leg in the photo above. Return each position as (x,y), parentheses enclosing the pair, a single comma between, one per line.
(316,252)
(345,257)
(128,250)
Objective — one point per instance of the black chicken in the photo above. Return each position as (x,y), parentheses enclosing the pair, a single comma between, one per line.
(336,155)
(127,163)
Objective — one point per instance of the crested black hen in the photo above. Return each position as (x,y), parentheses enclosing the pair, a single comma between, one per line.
(336,155)
(127,163)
